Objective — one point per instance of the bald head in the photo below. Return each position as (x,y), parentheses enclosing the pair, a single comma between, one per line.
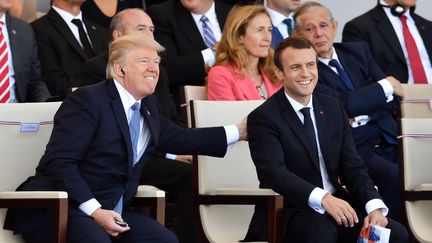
(131,21)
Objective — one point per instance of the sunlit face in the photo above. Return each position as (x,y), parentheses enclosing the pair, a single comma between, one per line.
(197,6)
(140,73)
(300,73)
(257,39)
(138,22)
(317,27)
(284,6)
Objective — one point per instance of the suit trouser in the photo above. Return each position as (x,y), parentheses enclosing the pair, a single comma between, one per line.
(384,173)
(307,226)
(82,228)
(174,177)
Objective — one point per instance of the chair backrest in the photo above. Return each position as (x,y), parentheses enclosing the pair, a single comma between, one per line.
(236,169)
(236,172)
(191,92)
(25,129)
(416,166)
(417,101)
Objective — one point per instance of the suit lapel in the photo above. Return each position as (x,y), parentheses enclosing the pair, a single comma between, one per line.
(188,26)
(386,29)
(64,30)
(322,128)
(330,76)
(150,121)
(296,125)
(425,33)
(121,120)
(276,37)
(92,31)
(12,32)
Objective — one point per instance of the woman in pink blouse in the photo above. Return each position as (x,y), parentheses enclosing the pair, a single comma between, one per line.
(244,64)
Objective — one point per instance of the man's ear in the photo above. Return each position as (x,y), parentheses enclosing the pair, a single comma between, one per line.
(118,70)
(278,73)
(116,34)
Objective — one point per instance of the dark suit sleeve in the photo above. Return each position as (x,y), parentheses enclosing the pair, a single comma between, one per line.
(74,128)
(36,90)
(268,156)
(93,70)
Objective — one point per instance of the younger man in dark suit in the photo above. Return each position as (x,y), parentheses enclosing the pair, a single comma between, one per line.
(65,41)
(383,30)
(24,82)
(348,72)
(302,148)
(103,136)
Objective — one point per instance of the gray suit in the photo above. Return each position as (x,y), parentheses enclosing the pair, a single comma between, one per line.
(29,86)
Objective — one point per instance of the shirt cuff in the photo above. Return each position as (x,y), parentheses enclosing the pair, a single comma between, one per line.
(232,134)
(315,199)
(388,89)
(208,57)
(376,204)
(88,207)
(170,156)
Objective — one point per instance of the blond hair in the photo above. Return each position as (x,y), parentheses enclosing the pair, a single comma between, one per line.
(231,51)
(120,48)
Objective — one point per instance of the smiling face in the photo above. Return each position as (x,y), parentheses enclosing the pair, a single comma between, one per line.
(300,73)
(257,39)
(140,72)
(316,25)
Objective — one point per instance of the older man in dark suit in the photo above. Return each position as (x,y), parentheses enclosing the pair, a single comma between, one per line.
(382,28)
(179,28)
(348,72)
(102,138)
(24,82)
(302,148)
(65,41)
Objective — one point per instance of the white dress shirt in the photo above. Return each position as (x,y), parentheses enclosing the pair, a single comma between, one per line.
(317,194)
(208,55)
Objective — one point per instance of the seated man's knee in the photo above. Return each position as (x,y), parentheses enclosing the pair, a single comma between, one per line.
(325,231)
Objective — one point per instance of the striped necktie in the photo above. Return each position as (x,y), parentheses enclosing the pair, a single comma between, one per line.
(209,37)
(4,68)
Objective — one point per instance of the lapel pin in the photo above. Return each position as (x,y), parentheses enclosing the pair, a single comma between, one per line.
(93,27)
(148,112)
(321,113)
(14,32)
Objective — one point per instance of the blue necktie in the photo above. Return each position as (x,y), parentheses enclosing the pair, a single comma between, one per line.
(342,74)
(134,128)
(288,23)
(209,37)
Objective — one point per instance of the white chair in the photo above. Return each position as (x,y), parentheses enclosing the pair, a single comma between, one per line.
(415,167)
(25,129)
(417,101)
(226,189)
(190,92)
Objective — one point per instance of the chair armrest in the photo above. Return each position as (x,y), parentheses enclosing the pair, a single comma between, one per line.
(244,191)
(424,187)
(34,195)
(149,191)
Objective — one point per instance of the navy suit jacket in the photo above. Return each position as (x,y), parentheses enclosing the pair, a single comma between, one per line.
(376,30)
(367,98)
(282,154)
(276,37)
(29,85)
(89,154)
(61,55)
